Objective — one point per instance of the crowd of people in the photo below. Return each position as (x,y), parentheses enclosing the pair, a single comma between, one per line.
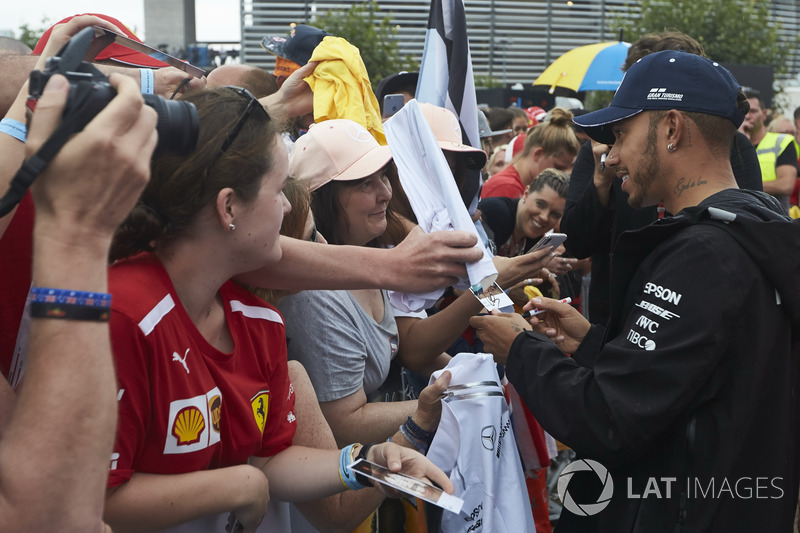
(205,341)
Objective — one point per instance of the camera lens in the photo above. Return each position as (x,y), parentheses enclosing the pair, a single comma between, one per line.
(178,125)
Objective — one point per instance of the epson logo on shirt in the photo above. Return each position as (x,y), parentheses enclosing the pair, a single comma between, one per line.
(668,295)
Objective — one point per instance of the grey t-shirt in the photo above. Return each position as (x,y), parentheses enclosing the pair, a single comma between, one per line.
(341,347)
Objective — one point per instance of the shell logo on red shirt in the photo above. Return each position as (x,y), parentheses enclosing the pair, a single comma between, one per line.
(193,424)
(188,426)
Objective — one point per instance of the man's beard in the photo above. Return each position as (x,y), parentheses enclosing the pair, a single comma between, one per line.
(646,172)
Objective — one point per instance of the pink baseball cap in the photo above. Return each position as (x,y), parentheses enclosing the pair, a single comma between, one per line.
(447,131)
(336,150)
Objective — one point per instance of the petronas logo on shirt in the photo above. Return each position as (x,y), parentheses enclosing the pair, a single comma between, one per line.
(260,405)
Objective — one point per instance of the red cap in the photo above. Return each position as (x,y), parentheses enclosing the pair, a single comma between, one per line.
(114,51)
(515,146)
(535,115)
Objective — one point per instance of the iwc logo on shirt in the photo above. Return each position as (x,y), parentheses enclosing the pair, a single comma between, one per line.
(194,423)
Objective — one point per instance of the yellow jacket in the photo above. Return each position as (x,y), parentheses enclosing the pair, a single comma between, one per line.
(768,150)
(341,86)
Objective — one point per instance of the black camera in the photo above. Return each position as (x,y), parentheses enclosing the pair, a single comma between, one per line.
(178,123)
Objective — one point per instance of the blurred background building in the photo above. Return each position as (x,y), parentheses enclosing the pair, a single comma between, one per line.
(512,41)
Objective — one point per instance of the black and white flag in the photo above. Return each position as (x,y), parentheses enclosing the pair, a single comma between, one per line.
(445,74)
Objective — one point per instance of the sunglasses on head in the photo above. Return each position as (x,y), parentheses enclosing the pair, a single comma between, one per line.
(252,104)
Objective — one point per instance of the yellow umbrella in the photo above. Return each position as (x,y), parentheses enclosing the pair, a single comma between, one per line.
(594,67)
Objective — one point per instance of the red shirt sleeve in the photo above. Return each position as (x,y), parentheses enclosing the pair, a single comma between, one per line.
(281,422)
(133,397)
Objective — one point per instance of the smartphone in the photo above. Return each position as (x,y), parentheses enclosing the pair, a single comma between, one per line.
(392,103)
(551,240)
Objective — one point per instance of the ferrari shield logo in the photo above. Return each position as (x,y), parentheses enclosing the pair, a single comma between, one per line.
(260,405)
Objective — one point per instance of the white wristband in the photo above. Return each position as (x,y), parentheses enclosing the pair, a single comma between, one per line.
(148,80)
(15,128)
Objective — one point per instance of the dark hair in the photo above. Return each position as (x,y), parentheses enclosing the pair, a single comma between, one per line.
(717,132)
(332,221)
(180,186)
(399,203)
(755,94)
(299,197)
(499,118)
(657,42)
(550,177)
(553,136)
(517,112)
(743,104)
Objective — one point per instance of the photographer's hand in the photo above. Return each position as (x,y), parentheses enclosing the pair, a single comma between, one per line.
(11,149)
(61,33)
(80,198)
(97,176)
(168,79)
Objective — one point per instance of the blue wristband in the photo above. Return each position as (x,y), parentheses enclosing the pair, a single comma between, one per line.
(420,446)
(68,297)
(148,80)
(15,128)
(419,433)
(348,476)
(69,305)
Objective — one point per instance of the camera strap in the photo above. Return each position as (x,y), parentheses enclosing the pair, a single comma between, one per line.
(35,164)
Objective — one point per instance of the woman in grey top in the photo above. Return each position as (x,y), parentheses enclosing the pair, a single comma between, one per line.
(347,339)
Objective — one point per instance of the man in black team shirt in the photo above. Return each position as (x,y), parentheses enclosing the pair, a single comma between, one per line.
(688,397)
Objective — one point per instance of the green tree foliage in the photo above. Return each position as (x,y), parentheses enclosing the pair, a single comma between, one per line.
(374,35)
(487,81)
(30,36)
(731,31)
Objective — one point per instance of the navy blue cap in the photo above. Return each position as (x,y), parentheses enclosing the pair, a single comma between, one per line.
(298,45)
(667,80)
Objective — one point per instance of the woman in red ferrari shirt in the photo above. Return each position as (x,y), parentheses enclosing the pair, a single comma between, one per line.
(205,405)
